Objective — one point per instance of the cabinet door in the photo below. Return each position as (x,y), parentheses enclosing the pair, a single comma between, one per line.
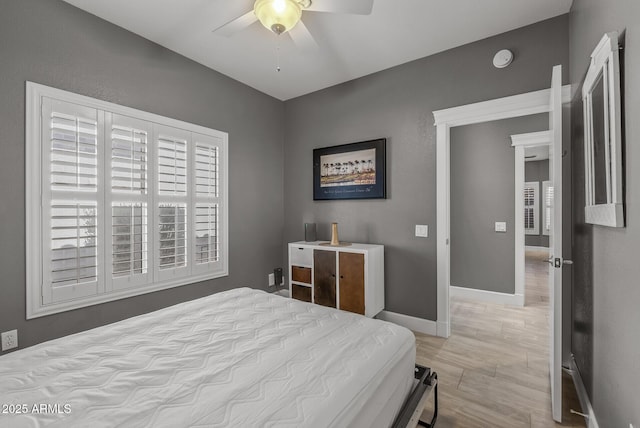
(324,278)
(351,267)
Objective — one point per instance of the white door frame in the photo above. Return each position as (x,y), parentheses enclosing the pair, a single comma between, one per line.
(520,142)
(502,108)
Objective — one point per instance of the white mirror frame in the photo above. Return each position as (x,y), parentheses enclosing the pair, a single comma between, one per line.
(605,64)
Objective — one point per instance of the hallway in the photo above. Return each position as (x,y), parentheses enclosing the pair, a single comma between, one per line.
(494,369)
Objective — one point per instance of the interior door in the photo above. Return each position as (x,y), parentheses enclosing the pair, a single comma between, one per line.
(555,243)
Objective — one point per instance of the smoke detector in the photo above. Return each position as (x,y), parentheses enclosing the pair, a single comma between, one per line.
(503,58)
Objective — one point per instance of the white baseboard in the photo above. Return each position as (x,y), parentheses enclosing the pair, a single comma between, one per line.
(412,323)
(487,296)
(585,403)
(442,329)
(534,248)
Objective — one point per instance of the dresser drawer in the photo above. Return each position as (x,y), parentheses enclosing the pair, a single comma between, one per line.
(301,256)
(301,274)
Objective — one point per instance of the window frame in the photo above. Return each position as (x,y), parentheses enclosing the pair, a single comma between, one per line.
(35,202)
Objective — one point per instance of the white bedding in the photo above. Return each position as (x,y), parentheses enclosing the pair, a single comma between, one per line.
(240,358)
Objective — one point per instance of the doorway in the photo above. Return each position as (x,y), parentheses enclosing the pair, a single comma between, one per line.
(545,101)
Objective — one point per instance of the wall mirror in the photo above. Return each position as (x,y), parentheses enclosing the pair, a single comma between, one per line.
(602,135)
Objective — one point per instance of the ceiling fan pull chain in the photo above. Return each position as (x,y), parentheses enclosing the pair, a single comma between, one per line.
(278,54)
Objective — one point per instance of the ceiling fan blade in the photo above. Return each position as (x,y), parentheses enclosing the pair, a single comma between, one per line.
(302,37)
(233,26)
(353,7)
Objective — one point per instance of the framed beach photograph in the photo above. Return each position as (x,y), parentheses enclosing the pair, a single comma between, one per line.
(350,171)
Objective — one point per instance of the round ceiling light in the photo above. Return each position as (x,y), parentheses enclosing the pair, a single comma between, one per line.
(503,58)
(278,16)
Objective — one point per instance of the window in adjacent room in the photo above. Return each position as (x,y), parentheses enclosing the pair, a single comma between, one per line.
(120,202)
(531,207)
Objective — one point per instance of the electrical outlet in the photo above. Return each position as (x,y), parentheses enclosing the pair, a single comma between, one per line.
(9,340)
(272,280)
(422,230)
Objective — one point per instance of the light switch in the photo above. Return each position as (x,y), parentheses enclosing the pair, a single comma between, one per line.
(501,226)
(422,230)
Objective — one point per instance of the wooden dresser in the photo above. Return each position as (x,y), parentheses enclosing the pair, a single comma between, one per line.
(349,278)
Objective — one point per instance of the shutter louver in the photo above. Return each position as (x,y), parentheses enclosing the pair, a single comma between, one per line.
(74,251)
(129,201)
(206,233)
(72,214)
(74,153)
(172,166)
(173,236)
(128,160)
(206,171)
(207,216)
(129,239)
(173,202)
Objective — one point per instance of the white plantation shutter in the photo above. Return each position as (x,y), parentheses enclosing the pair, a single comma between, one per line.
(172,163)
(129,234)
(73,255)
(129,152)
(173,238)
(74,148)
(531,208)
(172,201)
(71,150)
(206,167)
(119,202)
(129,245)
(208,218)
(206,241)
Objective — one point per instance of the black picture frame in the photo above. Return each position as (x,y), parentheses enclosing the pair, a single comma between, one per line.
(350,171)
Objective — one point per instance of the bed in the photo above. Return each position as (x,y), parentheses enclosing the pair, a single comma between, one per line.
(240,358)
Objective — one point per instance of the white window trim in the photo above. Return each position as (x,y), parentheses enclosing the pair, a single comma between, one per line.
(33,201)
(536,208)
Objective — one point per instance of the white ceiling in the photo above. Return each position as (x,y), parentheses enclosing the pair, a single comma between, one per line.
(350,46)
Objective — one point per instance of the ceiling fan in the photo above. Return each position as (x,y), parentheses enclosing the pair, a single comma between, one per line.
(282,16)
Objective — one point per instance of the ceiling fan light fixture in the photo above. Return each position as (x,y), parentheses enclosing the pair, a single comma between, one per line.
(278,16)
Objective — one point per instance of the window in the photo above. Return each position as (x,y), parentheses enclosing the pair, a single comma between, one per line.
(119,202)
(547,192)
(531,208)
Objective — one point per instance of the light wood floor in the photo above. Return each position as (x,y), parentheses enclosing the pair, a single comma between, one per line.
(493,370)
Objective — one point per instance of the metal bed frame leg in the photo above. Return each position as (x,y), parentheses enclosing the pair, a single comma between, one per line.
(427,382)
(435,404)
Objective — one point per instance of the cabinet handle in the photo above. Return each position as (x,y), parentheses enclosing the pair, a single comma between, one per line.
(333,275)
(341,277)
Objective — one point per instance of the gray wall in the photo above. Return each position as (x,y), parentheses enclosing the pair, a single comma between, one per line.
(483,192)
(537,171)
(53,43)
(606,290)
(398,104)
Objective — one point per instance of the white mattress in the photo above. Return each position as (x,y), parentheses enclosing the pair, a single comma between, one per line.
(240,358)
